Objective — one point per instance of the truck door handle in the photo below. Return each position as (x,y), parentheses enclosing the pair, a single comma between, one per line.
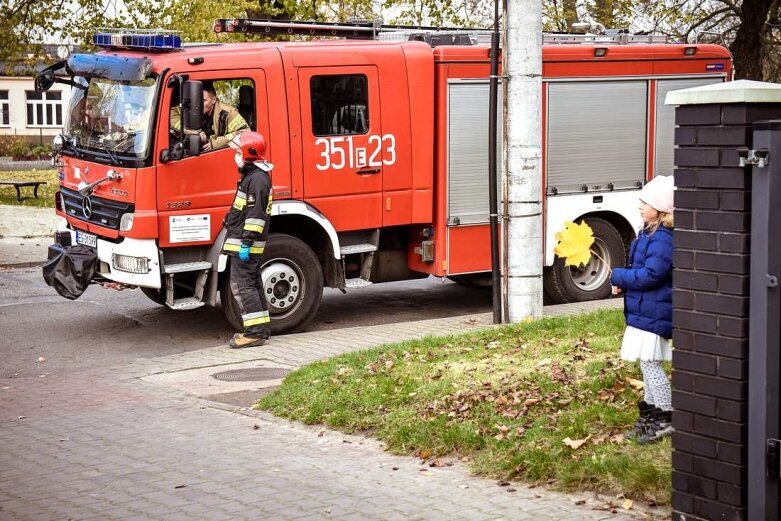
(368,171)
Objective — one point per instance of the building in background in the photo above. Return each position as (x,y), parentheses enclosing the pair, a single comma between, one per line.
(33,116)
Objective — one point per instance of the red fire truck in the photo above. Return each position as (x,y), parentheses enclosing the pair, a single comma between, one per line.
(380,143)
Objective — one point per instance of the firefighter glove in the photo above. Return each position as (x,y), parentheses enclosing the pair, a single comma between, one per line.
(244,252)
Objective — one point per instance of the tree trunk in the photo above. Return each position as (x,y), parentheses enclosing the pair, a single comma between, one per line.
(747,46)
(604,13)
(570,13)
(770,44)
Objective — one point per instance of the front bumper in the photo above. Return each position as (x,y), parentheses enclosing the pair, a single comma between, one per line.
(141,248)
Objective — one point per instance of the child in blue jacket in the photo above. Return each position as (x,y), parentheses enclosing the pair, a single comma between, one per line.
(646,283)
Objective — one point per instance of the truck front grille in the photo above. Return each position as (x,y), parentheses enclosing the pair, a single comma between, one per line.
(103,212)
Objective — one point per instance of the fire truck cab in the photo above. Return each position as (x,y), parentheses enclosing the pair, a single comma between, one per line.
(380,151)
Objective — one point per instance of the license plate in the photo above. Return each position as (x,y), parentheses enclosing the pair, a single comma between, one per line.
(87,239)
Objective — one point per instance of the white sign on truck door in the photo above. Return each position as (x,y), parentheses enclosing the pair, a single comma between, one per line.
(190,228)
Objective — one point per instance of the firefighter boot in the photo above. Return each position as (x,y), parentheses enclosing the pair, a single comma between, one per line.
(241,340)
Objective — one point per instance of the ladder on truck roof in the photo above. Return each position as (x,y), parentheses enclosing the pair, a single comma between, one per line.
(357,30)
(620,38)
(434,36)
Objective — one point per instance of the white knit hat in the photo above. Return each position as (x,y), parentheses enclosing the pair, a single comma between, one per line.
(658,193)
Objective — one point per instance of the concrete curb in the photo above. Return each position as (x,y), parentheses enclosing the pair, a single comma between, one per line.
(18,265)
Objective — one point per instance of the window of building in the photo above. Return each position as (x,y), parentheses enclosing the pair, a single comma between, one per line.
(44,109)
(339,104)
(5,109)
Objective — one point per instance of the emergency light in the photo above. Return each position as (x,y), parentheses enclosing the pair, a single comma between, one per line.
(151,40)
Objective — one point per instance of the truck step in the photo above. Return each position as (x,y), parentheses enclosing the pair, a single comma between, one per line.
(183,304)
(187,266)
(356,283)
(357,248)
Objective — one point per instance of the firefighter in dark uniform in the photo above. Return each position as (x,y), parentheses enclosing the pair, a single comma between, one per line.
(247,226)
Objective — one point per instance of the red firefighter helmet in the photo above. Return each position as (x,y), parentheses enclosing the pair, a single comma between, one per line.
(252,147)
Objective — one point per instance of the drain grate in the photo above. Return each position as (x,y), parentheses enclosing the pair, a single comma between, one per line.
(254,374)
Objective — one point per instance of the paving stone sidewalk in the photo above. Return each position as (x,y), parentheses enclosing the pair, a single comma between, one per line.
(109,445)
(25,235)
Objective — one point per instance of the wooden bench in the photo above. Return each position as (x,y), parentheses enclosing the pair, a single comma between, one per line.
(19,184)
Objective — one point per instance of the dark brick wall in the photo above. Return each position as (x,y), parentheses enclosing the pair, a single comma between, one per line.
(710,317)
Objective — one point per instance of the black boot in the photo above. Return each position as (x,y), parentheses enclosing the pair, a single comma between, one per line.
(661,425)
(241,340)
(644,410)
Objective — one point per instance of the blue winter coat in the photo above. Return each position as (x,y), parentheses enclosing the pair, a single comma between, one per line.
(647,283)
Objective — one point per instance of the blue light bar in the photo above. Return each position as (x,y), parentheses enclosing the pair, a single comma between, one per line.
(146,41)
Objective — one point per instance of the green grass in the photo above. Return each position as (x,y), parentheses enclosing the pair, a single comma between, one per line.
(45,192)
(503,400)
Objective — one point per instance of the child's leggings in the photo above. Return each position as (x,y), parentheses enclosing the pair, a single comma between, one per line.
(657,386)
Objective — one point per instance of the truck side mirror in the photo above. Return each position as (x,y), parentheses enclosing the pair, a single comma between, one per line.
(193,145)
(192,104)
(44,80)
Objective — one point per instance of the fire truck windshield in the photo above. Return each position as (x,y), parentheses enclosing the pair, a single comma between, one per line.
(112,116)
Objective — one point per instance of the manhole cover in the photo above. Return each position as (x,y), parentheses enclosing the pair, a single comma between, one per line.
(255,374)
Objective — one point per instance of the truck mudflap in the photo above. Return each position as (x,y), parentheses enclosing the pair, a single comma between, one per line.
(70,269)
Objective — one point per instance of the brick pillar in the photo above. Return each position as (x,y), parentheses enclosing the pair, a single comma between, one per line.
(711,302)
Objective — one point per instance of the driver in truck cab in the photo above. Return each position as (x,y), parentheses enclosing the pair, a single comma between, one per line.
(221,122)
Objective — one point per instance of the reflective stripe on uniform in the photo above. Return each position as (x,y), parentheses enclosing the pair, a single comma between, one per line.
(231,245)
(240,201)
(236,124)
(257,247)
(253,319)
(254,225)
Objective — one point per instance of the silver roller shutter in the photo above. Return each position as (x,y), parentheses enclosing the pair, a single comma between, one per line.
(665,120)
(468,152)
(596,135)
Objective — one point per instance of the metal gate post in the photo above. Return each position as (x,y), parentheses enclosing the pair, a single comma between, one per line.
(765,314)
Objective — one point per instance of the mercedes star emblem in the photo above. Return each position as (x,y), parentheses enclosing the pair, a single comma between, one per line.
(86,207)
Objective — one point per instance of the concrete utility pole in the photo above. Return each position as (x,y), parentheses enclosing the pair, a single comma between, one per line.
(523,159)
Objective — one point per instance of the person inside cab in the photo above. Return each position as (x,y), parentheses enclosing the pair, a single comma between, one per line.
(221,122)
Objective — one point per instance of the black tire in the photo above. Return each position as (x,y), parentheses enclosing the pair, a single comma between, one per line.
(284,255)
(473,280)
(565,284)
(155,295)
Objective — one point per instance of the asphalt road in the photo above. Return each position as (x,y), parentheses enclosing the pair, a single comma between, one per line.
(105,327)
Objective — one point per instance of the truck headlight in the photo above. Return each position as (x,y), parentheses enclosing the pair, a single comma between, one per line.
(130,264)
(126,222)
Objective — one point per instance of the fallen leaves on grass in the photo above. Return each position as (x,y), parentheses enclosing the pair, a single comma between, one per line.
(637,384)
(575,444)
(544,362)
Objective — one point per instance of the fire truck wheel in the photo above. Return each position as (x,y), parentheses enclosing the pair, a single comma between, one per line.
(292,283)
(590,282)
(155,295)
